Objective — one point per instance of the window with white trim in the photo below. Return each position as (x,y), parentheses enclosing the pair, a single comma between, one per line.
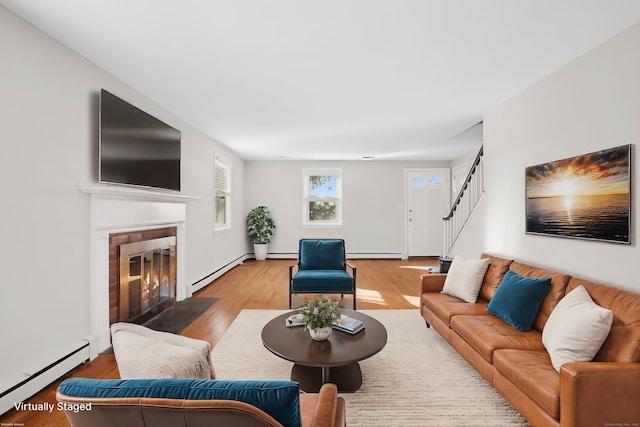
(222,196)
(322,197)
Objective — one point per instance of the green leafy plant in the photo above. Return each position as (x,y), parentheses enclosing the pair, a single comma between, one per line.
(260,225)
(320,313)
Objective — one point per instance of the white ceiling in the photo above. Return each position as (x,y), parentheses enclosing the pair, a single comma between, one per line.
(331,79)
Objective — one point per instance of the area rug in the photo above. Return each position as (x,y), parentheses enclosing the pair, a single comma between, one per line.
(418,379)
(180,315)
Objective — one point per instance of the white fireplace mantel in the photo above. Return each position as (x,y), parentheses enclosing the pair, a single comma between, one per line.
(138,194)
(116,210)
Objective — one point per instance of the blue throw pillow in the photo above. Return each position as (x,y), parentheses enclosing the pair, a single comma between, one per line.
(518,299)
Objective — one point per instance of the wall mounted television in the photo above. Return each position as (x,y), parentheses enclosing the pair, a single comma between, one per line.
(136,148)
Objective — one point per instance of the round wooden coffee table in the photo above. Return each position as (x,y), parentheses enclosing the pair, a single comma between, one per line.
(319,362)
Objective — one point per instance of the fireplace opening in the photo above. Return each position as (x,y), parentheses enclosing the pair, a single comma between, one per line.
(147,282)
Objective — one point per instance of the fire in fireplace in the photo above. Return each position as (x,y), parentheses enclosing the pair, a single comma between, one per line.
(147,282)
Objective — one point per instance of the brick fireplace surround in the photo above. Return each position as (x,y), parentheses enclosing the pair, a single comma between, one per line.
(119,214)
(117,239)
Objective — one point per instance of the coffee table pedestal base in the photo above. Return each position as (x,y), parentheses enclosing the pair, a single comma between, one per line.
(348,378)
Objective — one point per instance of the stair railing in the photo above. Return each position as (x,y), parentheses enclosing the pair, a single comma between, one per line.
(462,208)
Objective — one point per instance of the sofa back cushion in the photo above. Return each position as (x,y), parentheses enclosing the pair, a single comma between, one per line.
(556,292)
(492,278)
(280,399)
(623,342)
(321,254)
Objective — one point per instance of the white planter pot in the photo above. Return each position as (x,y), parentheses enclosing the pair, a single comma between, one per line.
(260,250)
(320,334)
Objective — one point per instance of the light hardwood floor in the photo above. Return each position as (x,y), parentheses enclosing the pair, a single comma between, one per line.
(382,284)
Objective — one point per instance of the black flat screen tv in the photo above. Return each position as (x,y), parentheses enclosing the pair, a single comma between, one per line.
(136,148)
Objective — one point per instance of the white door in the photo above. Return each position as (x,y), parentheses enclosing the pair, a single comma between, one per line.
(428,196)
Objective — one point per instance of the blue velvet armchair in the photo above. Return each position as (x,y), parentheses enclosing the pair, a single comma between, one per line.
(322,269)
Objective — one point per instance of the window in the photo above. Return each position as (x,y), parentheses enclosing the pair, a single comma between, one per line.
(435,180)
(222,196)
(322,197)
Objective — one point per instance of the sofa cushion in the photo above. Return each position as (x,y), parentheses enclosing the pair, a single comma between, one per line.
(576,329)
(531,372)
(518,299)
(487,333)
(558,287)
(322,254)
(492,278)
(464,278)
(623,341)
(280,399)
(318,281)
(445,306)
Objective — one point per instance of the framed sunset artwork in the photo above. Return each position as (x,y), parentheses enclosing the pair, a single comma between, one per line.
(583,197)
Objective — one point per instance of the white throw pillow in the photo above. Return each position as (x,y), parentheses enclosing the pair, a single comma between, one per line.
(465,278)
(138,356)
(144,353)
(576,329)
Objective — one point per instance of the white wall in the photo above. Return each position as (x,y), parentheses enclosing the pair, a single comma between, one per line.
(208,251)
(48,137)
(591,104)
(374,192)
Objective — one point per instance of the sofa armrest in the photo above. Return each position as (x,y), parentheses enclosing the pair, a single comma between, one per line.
(599,393)
(323,409)
(432,282)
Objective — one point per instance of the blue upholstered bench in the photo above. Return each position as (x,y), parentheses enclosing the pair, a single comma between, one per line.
(190,402)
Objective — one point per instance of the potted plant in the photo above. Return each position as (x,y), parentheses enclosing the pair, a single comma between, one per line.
(260,227)
(319,316)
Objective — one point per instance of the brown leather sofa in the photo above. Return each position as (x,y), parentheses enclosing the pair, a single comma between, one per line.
(603,392)
(322,409)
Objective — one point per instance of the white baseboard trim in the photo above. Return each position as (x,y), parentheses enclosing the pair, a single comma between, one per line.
(35,382)
(377,255)
(219,272)
(284,255)
(278,255)
(350,255)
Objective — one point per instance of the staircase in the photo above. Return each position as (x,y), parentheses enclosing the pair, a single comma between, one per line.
(464,205)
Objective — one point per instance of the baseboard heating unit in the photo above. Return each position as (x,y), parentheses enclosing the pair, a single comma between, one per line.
(24,385)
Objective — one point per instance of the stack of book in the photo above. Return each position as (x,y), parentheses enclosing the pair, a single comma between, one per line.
(349,325)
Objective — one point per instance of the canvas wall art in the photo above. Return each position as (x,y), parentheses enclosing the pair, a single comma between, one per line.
(584,197)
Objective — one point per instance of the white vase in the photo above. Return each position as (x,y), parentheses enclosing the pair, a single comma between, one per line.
(260,250)
(320,334)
